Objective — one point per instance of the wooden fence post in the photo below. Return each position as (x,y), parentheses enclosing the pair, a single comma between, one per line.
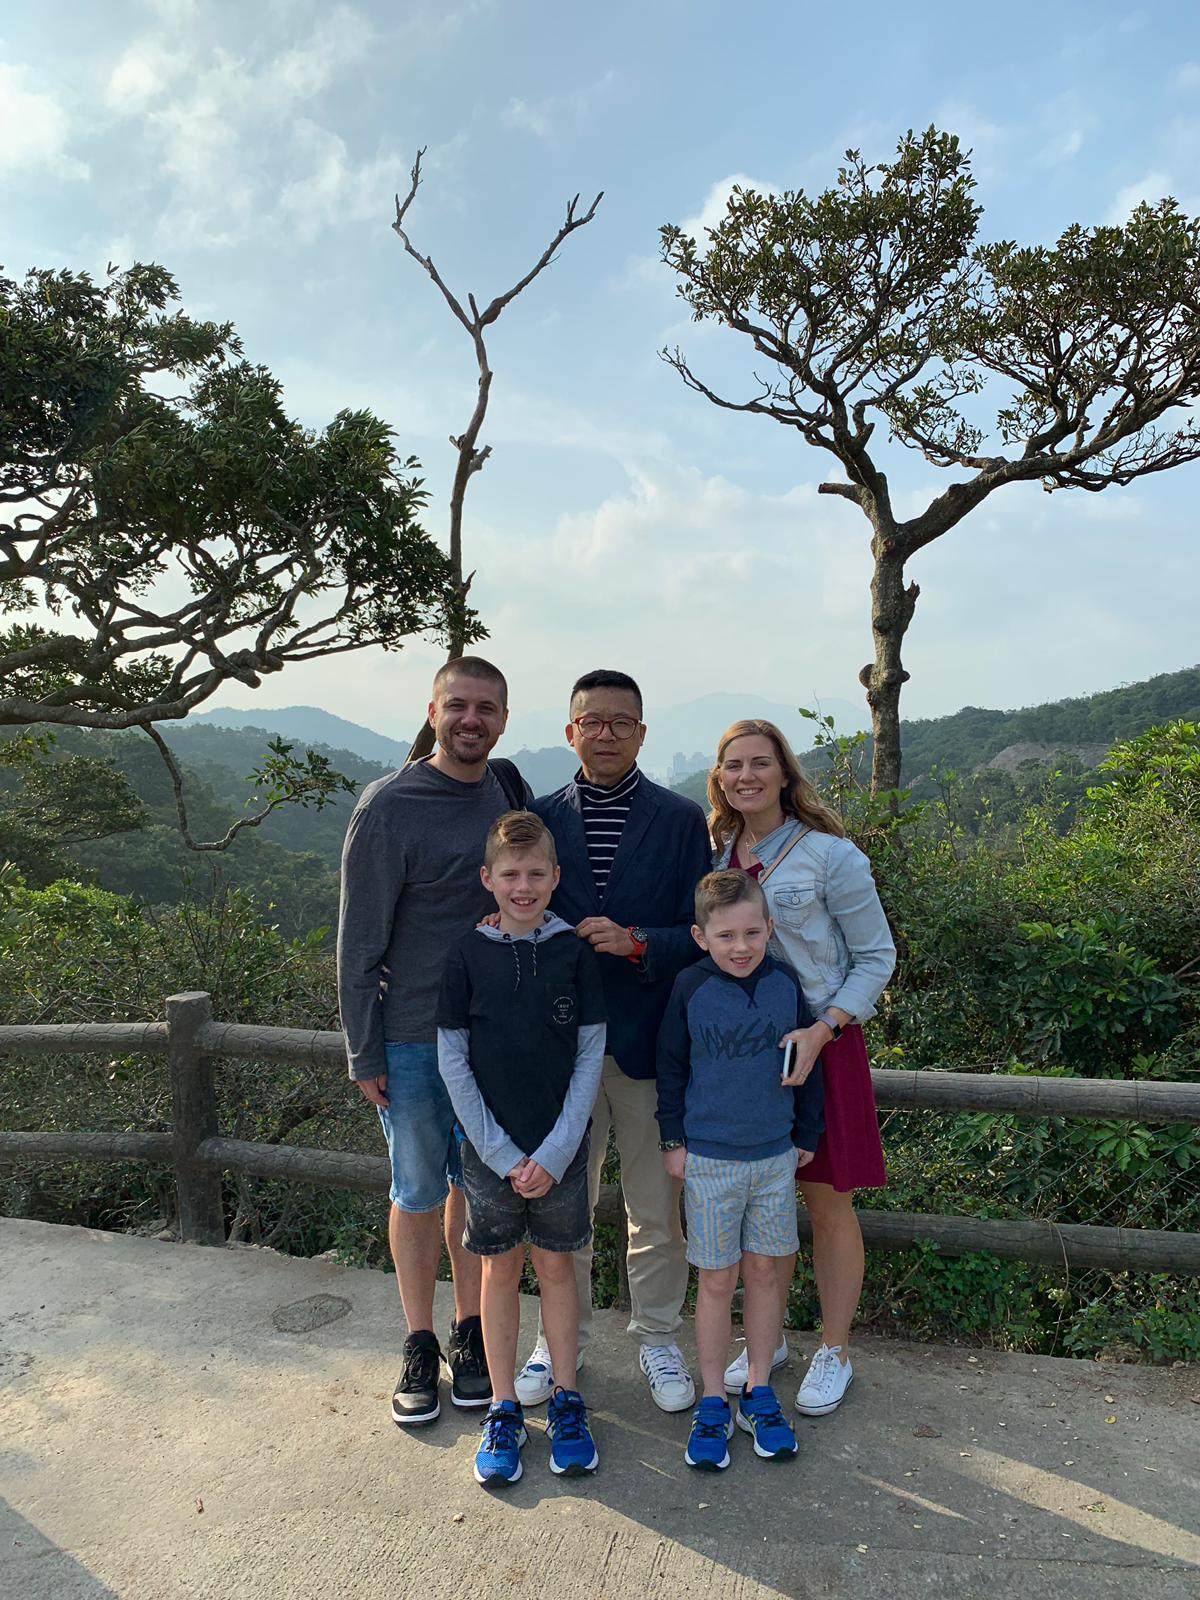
(194,1119)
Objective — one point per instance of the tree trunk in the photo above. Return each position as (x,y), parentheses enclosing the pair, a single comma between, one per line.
(892,607)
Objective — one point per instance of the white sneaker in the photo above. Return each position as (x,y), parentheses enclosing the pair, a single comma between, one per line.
(737,1373)
(671,1386)
(535,1381)
(825,1383)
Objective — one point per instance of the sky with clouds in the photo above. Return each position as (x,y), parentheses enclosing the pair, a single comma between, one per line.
(254,148)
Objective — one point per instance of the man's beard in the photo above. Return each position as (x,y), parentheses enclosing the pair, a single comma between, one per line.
(476,750)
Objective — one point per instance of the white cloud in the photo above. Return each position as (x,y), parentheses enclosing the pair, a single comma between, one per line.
(238,139)
(142,75)
(984,139)
(1065,144)
(1151,187)
(713,207)
(685,562)
(34,129)
(334,189)
(542,119)
(339,41)
(520,114)
(1186,77)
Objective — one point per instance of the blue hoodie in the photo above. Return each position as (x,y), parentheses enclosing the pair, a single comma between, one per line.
(719,1064)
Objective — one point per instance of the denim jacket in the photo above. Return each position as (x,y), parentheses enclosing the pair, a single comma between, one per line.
(829,924)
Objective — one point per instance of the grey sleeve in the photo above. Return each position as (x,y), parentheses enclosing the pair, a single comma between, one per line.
(492,1145)
(557,1149)
(853,902)
(373,875)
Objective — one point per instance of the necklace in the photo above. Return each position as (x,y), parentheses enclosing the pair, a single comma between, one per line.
(748,835)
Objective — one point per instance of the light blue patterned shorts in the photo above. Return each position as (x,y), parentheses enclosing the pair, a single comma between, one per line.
(735,1206)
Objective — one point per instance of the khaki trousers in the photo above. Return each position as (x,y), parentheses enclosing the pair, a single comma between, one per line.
(657,1256)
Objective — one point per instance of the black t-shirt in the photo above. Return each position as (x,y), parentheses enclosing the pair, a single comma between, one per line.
(523,1002)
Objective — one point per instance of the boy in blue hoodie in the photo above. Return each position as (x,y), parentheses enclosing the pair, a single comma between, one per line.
(735,1129)
(521,1030)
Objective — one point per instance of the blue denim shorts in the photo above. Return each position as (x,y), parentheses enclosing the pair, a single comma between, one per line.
(735,1206)
(419,1127)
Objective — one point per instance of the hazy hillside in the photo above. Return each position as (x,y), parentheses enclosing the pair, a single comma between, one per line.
(238,750)
(290,863)
(310,725)
(975,738)
(972,737)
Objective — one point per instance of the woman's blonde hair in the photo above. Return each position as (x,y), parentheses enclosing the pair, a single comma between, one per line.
(799,798)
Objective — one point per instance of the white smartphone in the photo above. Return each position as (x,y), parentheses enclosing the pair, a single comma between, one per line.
(789,1055)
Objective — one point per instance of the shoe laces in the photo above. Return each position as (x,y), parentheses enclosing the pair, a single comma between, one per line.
(665,1363)
(710,1424)
(468,1348)
(569,1415)
(422,1363)
(500,1430)
(825,1366)
(539,1361)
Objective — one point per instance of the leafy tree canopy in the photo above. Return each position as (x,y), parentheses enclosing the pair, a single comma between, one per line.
(873,302)
(165,526)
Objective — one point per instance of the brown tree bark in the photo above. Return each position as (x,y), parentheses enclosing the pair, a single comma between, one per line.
(892,607)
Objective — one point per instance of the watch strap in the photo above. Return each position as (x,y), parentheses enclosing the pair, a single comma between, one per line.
(831,1023)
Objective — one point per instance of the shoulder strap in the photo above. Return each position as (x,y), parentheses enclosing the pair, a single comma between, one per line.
(787,849)
(511,781)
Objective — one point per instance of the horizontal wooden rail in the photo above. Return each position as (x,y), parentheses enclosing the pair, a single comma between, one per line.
(82,1038)
(1074,1245)
(335,1169)
(58,1147)
(928,1089)
(310,1046)
(199,1155)
(1018,1095)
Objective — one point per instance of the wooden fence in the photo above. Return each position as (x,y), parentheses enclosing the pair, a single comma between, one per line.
(192,1040)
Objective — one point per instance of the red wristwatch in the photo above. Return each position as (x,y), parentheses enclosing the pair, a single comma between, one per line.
(638,935)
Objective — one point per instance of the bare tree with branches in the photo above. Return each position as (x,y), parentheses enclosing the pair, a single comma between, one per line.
(466,444)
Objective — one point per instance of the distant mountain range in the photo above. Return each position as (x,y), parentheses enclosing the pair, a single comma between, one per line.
(535,738)
(309,725)
(967,740)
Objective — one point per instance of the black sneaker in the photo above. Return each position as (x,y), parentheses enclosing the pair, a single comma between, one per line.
(416,1395)
(470,1382)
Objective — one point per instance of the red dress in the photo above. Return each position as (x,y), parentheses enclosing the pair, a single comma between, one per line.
(850,1151)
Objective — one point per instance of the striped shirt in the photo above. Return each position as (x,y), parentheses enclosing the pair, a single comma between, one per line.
(605,812)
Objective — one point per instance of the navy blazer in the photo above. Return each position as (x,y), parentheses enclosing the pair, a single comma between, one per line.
(663,854)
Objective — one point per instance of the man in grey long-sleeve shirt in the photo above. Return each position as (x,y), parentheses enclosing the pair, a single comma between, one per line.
(410,888)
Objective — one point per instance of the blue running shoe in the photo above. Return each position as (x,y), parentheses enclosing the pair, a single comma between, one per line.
(712,1425)
(759,1414)
(498,1459)
(572,1448)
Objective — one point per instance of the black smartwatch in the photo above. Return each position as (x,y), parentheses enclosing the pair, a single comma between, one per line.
(831,1023)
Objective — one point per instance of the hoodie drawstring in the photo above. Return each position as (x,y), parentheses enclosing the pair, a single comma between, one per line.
(513,946)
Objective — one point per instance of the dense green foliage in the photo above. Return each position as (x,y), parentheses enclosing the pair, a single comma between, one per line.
(1068,950)
(965,741)
(875,318)
(163,501)
(98,807)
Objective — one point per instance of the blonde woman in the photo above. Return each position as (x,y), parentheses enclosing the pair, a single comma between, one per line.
(829,925)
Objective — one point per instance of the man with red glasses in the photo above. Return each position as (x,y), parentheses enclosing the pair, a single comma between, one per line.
(631,854)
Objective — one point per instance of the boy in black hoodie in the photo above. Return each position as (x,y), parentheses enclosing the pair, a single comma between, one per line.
(521,1030)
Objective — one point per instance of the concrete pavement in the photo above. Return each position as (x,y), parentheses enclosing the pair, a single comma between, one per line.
(180,1422)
